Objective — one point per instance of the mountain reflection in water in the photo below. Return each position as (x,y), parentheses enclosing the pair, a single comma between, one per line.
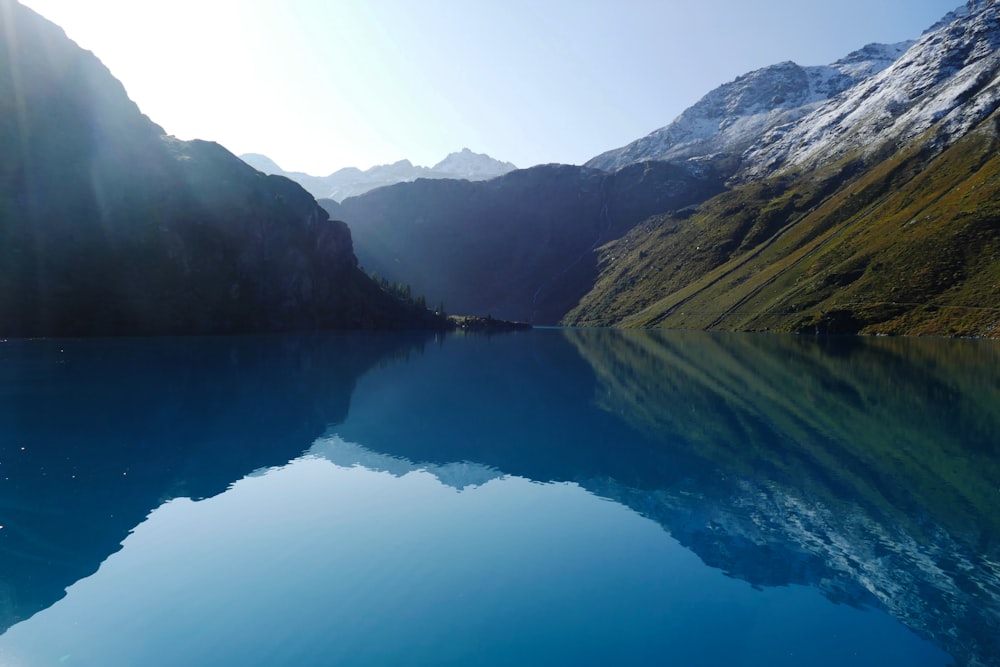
(95,434)
(866,469)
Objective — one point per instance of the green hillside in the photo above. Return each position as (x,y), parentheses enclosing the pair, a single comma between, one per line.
(904,243)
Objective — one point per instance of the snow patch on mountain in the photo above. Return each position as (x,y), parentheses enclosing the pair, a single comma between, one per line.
(948,78)
(733,116)
(472,166)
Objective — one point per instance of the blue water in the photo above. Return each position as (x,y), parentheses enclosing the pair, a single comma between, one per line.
(548,497)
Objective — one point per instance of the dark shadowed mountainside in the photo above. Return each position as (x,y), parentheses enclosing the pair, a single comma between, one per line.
(108,226)
(518,247)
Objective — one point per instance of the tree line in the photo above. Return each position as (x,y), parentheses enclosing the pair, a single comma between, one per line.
(403,292)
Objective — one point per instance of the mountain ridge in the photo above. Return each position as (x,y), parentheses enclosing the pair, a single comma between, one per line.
(849,199)
(933,81)
(518,247)
(351,181)
(873,214)
(108,226)
(730,118)
(771,206)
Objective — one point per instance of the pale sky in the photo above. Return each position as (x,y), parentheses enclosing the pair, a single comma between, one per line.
(317,85)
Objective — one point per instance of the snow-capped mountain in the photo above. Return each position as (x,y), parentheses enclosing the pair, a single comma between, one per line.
(881,219)
(789,115)
(733,116)
(950,76)
(350,181)
(471,166)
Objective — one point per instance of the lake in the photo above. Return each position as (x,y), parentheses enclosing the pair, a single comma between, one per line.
(550,497)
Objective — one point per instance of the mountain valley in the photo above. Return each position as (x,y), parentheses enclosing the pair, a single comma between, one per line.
(854,198)
(235,430)
(858,197)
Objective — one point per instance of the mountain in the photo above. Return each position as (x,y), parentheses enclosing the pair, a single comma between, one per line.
(350,181)
(945,83)
(518,247)
(109,227)
(874,213)
(261,163)
(732,117)
(471,166)
(851,198)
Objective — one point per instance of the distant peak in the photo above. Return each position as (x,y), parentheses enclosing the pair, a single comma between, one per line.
(467,163)
(466,153)
(262,163)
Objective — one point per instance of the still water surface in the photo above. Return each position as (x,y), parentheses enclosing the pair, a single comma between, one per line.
(546,497)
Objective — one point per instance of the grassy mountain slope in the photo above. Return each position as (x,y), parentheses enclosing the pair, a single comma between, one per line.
(905,243)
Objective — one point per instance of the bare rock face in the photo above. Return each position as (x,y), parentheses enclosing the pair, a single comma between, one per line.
(108,226)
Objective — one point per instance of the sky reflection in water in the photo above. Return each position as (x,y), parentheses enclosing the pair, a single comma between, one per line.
(316,563)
